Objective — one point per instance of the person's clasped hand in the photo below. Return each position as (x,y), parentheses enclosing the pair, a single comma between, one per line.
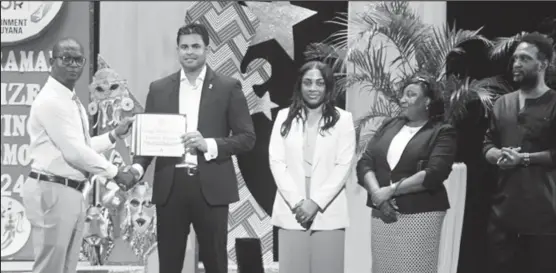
(382,198)
(382,195)
(306,211)
(388,213)
(510,158)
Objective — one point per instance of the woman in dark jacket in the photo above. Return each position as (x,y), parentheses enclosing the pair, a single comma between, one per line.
(403,170)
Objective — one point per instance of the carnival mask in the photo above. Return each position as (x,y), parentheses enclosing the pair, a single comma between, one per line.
(139,225)
(98,225)
(140,207)
(110,98)
(97,239)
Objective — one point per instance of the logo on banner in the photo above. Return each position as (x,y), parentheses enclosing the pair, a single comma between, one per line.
(22,20)
(16,229)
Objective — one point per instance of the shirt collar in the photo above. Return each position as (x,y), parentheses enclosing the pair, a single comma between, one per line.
(201,76)
(59,87)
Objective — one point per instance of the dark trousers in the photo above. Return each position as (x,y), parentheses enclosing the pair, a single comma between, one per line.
(186,205)
(510,252)
(473,245)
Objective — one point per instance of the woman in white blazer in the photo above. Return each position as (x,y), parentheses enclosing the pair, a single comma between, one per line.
(311,151)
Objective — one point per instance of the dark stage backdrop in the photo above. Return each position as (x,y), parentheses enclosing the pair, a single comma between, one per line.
(497,19)
(254,166)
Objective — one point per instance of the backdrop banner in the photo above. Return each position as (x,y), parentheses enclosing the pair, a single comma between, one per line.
(29,31)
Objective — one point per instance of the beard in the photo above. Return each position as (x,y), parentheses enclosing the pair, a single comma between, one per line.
(527,80)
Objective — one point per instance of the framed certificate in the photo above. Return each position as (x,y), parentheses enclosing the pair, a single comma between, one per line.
(158,135)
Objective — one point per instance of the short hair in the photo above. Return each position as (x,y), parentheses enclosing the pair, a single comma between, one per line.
(430,89)
(542,43)
(193,28)
(64,42)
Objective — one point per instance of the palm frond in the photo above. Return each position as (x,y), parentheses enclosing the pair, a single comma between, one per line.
(402,27)
(327,53)
(336,48)
(465,91)
(365,134)
(371,67)
(340,83)
(341,19)
(394,20)
(504,46)
(363,140)
(380,109)
(432,55)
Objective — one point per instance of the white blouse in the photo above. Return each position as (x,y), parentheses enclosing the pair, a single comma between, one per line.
(398,144)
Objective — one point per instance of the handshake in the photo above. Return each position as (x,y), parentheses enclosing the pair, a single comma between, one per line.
(126,178)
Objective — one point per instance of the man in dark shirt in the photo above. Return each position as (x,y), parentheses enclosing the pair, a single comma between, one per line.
(521,141)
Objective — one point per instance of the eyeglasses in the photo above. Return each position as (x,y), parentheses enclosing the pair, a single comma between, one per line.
(68,60)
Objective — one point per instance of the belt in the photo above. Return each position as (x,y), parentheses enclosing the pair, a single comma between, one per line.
(74,184)
(191,171)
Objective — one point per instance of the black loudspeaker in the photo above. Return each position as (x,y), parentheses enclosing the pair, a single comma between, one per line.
(249,255)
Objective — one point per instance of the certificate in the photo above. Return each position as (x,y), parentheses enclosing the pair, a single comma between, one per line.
(158,135)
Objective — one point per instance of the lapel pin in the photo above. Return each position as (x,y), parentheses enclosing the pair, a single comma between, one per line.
(210,86)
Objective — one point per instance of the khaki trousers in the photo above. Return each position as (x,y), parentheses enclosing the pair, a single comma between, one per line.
(308,251)
(57,216)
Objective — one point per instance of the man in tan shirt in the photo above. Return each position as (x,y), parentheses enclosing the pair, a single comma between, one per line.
(63,156)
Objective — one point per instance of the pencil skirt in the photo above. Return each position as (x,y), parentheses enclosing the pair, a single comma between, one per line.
(409,245)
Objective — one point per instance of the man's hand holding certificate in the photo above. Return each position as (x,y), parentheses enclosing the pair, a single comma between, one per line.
(194,140)
(158,135)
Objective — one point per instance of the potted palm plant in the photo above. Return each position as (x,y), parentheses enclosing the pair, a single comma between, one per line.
(419,48)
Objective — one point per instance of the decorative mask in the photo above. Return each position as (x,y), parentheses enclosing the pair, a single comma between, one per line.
(98,232)
(139,225)
(110,97)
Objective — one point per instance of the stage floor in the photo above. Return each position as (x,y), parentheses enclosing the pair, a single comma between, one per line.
(25,267)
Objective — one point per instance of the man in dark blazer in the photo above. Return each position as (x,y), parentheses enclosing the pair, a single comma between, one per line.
(200,193)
